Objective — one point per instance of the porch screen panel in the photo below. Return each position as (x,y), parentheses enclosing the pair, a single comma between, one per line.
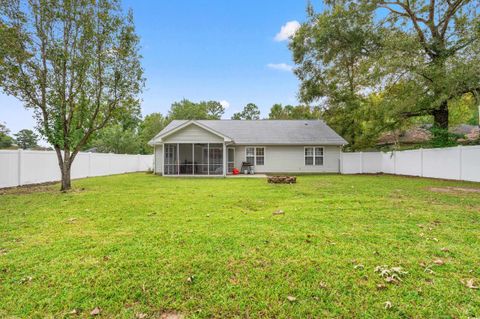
(170,159)
(216,159)
(186,159)
(201,159)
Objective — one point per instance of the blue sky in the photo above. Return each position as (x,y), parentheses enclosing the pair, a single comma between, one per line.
(207,50)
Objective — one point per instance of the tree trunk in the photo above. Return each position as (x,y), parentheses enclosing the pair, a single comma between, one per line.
(440,116)
(66,181)
(65,164)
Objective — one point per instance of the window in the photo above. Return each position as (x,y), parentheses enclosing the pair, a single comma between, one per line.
(250,155)
(259,156)
(314,156)
(255,155)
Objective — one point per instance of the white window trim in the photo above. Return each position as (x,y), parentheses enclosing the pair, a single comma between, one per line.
(313,156)
(255,154)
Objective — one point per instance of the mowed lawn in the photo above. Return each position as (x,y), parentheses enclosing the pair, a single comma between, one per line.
(139,245)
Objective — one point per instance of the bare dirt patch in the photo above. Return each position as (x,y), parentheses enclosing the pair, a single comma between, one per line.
(451,189)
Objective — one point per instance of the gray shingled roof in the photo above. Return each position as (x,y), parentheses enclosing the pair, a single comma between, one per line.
(271,131)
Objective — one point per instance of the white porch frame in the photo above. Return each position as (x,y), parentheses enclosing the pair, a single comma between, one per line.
(224,160)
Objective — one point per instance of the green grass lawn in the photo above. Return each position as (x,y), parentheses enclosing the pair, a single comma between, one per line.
(142,244)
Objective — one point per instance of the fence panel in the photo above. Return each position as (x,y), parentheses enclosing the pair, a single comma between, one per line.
(388,163)
(371,162)
(19,167)
(470,164)
(460,163)
(408,163)
(351,163)
(442,163)
(8,168)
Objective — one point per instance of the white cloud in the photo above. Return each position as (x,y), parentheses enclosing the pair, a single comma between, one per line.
(280,66)
(287,30)
(225,104)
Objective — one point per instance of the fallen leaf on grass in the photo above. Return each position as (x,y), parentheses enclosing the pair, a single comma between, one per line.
(291,298)
(381,287)
(470,283)
(438,262)
(171,315)
(388,305)
(141,315)
(95,312)
(323,285)
(26,279)
(278,212)
(74,312)
(445,249)
(190,279)
(359,266)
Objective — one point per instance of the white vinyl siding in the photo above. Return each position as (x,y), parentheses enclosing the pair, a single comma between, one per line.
(291,159)
(193,134)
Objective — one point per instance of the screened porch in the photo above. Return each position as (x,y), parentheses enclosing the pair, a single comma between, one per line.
(193,159)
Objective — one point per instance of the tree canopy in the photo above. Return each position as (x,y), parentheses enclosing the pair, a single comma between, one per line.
(188,110)
(249,112)
(290,112)
(75,63)
(413,58)
(5,139)
(26,139)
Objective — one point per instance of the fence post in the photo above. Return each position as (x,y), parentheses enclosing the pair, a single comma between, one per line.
(361,162)
(394,162)
(341,162)
(460,159)
(138,162)
(421,162)
(89,164)
(20,151)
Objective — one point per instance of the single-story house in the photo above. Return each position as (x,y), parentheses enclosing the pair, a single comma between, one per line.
(216,147)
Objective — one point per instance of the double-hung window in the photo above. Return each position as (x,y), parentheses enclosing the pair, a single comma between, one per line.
(313,156)
(255,155)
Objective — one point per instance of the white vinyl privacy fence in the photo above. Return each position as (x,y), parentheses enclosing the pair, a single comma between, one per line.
(32,167)
(460,163)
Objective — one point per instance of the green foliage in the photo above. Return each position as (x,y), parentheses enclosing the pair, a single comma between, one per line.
(26,139)
(5,139)
(443,138)
(421,57)
(249,112)
(151,125)
(289,112)
(128,244)
(463,110)
(188,110)
(75,63)
(114,139)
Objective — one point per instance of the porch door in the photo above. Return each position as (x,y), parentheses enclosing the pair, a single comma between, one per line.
(230,159)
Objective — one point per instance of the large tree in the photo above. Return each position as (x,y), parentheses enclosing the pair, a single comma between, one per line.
(249,112)
(26,139)
(151,125)
(290,112)
(188,110)
(5,139)
(421,54)
(115,139)
(74,62)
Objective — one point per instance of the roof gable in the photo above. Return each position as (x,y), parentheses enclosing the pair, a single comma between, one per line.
(176,128)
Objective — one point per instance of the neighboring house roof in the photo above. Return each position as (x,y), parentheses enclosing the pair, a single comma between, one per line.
(282,132)
(416,134)
(421,133)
